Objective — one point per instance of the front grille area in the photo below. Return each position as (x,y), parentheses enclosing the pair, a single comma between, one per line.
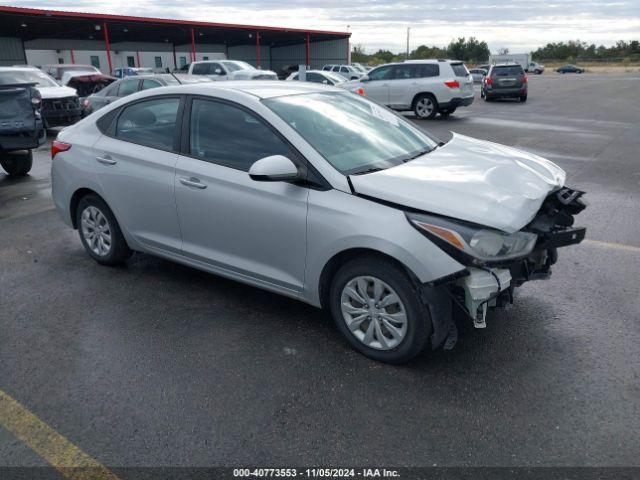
(61,104)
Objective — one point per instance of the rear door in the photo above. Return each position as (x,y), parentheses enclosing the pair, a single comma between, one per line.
(135,166)
(229,221)
(403,83)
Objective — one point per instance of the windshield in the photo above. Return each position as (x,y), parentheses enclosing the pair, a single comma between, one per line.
(353,134)
(27,76)
(234,66)
(334,77)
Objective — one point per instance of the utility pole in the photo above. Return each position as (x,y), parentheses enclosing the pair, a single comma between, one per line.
(408,30)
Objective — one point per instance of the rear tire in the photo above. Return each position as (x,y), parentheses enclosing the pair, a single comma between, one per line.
(523,98)
(425,106)
(391,333)
(100,233)
(17,164)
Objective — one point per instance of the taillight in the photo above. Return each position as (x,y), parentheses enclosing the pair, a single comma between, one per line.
(360,91)
(525,79)
(57,146)
(489,81)
(452,84)
(36,99)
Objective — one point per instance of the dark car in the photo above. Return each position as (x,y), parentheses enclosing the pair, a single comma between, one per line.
(570,69)
(21,126)
(507,80)
(132,84)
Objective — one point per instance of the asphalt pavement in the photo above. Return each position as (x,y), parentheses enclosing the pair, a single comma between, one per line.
(156,364)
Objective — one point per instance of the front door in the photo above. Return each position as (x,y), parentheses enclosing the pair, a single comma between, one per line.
(377,87)
(253,229)
(136,170)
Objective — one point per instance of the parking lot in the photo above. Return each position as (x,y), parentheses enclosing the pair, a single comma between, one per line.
(156,364)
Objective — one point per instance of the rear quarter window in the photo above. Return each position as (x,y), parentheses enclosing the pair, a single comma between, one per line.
(459,69)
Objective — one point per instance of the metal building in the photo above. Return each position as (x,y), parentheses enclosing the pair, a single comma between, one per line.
(40,37)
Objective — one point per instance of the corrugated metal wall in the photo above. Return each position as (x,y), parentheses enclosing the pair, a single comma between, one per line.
(247,53)
(322,53)
(11,51)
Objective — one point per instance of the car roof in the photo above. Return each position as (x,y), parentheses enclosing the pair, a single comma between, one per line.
(257,88)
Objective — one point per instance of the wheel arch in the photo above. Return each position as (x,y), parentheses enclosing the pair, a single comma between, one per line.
(78,195)
(422,94)
(334,263)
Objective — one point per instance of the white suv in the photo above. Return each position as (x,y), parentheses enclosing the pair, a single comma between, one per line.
(424,86)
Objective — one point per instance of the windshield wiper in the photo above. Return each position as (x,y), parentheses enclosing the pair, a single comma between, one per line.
(419,154)
(368,170)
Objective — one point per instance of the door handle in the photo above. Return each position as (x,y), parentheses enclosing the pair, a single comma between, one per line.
(106,160)
(192,182)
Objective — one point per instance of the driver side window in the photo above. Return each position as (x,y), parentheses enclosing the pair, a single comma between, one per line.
(380,73)
(228,135)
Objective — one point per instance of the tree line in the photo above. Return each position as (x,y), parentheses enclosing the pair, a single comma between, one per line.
(470,50)
(577,50)
(474,51)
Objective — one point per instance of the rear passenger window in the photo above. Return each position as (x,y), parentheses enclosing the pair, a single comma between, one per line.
(427,70)
(229,136)
(460,69)
(151,123)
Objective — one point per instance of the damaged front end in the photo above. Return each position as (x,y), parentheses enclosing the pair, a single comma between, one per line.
(496,262)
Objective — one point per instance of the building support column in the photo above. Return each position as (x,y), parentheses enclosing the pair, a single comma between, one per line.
(105,30)
(138,59)
(193,45)
(73,57)
(308,50)
(258,49)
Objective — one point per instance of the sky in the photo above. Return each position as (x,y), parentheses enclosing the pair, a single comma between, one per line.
(519,25)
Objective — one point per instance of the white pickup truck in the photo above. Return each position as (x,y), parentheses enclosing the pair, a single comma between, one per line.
(522,59)
(228,70)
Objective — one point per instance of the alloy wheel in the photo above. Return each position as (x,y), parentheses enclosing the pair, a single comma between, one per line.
(373,312)
(424,107)
(96,231)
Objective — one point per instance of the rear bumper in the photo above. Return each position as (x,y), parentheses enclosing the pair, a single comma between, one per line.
(22,140)
(457,102)
(506,92)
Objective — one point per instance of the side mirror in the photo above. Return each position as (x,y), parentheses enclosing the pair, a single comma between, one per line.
(217,71)
(364,78)
(276,168)
(326,82)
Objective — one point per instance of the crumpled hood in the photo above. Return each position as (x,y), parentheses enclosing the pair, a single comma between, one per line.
(469,179)
(56,92)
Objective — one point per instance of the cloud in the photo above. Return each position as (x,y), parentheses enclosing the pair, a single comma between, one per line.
(520,25)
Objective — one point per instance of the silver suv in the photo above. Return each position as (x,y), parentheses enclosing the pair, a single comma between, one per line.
(427,87)
(312,192)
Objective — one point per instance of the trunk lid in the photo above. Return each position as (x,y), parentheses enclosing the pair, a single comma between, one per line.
(16,112)
(468,179)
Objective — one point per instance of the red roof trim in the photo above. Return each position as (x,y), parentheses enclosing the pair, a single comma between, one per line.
(125,18)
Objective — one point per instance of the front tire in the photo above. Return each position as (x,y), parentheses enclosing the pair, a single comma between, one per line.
(523,98)
(100,233)
(17,164)
(377,307)
(425,106)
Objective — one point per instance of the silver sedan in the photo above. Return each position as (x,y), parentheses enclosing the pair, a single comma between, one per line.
(316,193)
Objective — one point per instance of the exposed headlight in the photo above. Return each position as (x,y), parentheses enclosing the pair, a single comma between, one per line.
(483,244)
